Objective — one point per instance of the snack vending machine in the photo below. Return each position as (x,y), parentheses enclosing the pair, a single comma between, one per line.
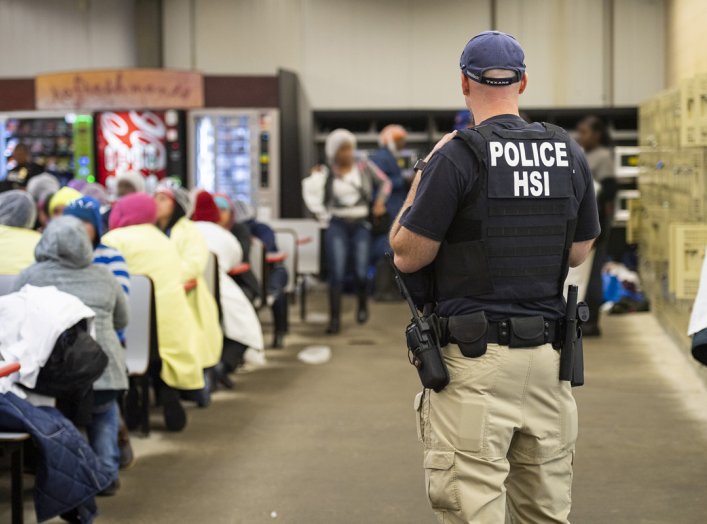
(237,152)
(150,142)
(62,143)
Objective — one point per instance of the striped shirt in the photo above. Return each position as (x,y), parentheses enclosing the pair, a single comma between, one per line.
(116,263)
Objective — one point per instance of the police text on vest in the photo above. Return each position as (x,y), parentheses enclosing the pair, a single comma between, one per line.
(532,154)
(533,182)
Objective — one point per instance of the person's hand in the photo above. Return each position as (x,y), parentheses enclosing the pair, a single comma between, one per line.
(378,209)
(446,138)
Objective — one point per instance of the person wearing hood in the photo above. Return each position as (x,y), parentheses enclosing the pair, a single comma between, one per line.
(245,280)
(88,210)
(241,326)
(60,200)
(65,259)
(173,209)
(277,273)
(149,252)
(43,186)
(344,194)
(18,214)
(129,182)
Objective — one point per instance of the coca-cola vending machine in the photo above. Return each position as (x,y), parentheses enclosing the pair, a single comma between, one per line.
(150,142)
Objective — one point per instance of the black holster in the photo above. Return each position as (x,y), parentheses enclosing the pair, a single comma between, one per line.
(426,354)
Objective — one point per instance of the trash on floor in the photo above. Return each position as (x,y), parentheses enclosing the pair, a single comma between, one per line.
(315,355)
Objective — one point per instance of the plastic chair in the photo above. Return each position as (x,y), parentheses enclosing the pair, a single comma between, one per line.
(287,243)
(308,233)
(6,284)
(141,343)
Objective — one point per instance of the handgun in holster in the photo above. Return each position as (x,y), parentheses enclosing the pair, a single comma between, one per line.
(423,340)
(572,353)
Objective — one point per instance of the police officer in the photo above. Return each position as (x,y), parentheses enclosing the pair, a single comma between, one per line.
(498,213)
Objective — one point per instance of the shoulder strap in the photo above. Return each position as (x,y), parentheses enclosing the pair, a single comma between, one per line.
(476,141)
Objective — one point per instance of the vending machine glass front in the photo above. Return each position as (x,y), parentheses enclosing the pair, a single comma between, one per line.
(224,155)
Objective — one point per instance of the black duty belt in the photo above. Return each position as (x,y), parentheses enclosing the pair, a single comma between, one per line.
(514,332)
(499,332)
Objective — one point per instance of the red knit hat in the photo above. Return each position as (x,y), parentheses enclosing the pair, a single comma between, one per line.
(206,209)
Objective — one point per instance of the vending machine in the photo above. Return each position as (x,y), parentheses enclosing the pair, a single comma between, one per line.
(150,142)
(237,152)
(62,143)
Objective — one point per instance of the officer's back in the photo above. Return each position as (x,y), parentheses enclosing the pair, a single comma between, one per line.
(495,217)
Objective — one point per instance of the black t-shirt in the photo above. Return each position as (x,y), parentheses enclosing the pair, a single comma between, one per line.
(446,181)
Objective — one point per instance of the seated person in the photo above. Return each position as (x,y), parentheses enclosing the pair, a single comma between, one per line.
(65,260)
(241,326)
(277,273)
(173,209)
(17,239)
(88,210)
(246,280)
(149,252)
(60,200)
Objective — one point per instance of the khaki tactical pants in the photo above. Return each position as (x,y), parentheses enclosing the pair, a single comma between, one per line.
(499,439)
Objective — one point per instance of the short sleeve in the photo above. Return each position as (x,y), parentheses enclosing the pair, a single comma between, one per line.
(587,215)
(441,189)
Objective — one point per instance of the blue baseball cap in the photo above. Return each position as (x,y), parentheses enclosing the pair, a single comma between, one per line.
(493,50)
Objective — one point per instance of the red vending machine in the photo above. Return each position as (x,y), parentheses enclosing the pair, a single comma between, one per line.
(150,142)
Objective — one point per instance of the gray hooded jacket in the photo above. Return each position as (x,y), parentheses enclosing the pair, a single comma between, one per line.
(65,260)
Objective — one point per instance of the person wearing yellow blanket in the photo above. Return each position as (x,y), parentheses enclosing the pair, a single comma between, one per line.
(174,206)
(18,213)
(148,252)
(61,199)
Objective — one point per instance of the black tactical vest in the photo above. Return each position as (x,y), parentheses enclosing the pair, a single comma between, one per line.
(511,237)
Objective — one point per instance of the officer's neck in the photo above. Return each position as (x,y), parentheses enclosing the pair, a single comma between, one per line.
(497,108)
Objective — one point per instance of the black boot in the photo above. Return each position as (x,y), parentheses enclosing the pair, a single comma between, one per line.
(175,418)
(334,310)
(362,311)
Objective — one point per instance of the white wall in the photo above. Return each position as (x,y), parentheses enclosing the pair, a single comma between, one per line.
(404,53)
(640,49)
(38,36)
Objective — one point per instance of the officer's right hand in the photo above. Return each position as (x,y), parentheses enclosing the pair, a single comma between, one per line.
(446,138)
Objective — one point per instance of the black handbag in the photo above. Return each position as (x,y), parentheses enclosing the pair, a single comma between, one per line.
(75,363)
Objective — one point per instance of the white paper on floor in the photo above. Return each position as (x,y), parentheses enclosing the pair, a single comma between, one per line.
(315,354)
(317,317)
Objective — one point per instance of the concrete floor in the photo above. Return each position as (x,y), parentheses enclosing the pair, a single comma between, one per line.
(336,443)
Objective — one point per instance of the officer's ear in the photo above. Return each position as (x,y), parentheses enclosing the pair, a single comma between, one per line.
(465,85)
(523,83)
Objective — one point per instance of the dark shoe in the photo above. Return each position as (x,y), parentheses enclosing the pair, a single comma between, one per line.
(111,490)
(278,341)
(362,311)
(334,327)
(127,457)
(201,397)
(591,330)
(219,376)
(175,418)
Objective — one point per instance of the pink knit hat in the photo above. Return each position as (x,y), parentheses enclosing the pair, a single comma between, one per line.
(132,210)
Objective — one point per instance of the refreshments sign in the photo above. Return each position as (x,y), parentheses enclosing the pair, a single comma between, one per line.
(120,89)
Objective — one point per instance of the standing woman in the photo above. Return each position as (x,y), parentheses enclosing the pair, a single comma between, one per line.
(342,193)
(173,209)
